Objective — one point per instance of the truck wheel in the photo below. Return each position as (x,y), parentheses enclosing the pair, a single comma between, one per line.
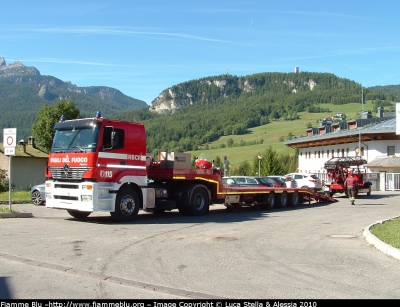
(295,199)
(199,202)
(126,206)
(283,200)
(80,215)
(271,201)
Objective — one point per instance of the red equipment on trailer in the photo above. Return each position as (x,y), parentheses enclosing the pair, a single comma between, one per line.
(338,169)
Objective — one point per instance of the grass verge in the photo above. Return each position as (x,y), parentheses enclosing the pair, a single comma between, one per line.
(388,232)
(17,197)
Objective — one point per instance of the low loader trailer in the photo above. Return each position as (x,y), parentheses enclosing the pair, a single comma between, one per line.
(101,165)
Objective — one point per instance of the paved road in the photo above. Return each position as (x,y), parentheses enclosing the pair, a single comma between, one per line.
(313,251)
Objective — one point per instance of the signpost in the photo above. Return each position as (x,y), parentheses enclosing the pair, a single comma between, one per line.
(9,143)
(225,161)
(398,118)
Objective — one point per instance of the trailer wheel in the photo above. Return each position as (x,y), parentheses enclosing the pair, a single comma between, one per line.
(80,215)
(283,200)
(199,202)
(295,199)
(126,206)
(271,201)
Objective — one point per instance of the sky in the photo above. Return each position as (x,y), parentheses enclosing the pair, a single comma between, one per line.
(144,47)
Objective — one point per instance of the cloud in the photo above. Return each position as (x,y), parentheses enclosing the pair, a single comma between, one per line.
(116,31)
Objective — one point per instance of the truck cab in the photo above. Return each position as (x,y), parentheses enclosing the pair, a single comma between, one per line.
(93,161)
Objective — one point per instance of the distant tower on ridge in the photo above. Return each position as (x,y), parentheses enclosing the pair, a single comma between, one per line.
(296,70)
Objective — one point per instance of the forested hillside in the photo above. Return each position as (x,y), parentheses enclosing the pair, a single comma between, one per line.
(229,105)
(187,115)
(387,89)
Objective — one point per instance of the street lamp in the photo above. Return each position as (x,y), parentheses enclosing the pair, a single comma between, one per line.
(259,165)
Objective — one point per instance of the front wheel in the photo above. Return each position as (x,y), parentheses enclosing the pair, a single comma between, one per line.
(80,215)
(36,198)
(126,206)
(199,202)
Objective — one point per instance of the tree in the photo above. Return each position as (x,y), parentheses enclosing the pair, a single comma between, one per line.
(48,116)
(244,169)
(270,163)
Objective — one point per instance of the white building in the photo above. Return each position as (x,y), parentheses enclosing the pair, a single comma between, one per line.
(375,139)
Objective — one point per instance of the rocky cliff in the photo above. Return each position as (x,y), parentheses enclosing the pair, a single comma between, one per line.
(192,92)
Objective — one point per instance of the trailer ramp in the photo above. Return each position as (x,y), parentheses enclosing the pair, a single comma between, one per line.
(310,195)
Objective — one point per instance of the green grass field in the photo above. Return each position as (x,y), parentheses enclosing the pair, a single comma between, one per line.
(272,132)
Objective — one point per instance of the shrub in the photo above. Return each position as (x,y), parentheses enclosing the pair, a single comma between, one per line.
(4,181)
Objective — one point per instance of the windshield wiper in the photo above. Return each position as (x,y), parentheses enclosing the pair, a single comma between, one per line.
(79,147)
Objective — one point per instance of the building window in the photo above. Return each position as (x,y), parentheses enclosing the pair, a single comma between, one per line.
(347,152)
(319,154)
(323,153)
(333,153)
(338,152)
(362,151)
(315,154)
(342,153)
(391,151)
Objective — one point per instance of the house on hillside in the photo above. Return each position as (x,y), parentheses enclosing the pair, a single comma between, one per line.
(374,139)
(27,166)
(340,116)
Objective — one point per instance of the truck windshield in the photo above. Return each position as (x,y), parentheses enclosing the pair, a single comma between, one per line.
(75,139)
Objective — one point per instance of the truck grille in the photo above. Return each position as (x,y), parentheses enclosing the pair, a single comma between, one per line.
(75,173)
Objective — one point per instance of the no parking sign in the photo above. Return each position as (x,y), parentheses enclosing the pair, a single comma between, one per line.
(9,140)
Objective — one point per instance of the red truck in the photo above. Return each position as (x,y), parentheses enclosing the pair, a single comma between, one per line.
(101,165)
(338,169)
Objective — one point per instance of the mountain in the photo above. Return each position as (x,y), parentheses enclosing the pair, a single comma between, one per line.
(189,115)
(322,87)
(23,91)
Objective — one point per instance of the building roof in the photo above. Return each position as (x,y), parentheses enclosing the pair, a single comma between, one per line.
(374,129)
(29,151)
(384,162)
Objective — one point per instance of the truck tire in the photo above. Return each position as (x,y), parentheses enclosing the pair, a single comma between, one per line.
(294,199)
(126,206)
(271,202)
(283,200)
(199,202)
(80,215)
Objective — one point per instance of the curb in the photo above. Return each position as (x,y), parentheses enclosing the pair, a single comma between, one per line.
(15,214)
(382,246)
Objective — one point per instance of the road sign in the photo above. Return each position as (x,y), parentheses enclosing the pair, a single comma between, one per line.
(9,141)
(10,137)
(9,151)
